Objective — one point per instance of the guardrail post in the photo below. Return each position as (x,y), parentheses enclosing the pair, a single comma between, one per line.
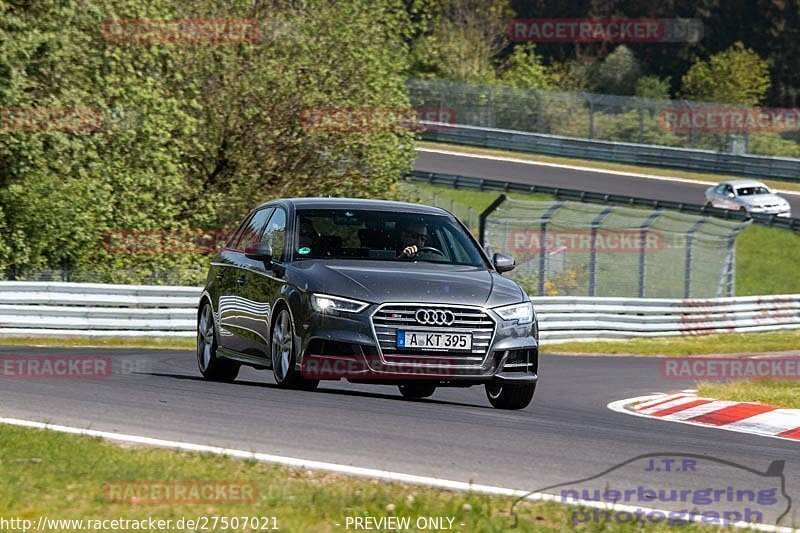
(543,245)
(729,272)
(641,120)
(643,250)
(484,215)
(687,288)
(593,249)
(691,123)
(538,110)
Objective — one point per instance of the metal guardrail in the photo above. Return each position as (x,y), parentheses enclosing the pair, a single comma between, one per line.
(750,166)
(77,309)
(565,318)
(95,309)
(481,184)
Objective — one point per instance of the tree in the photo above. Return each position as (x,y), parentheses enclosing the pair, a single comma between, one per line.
(192,134)
(616,74)
(524,69)
(737,75)
(652,87)
(462,39)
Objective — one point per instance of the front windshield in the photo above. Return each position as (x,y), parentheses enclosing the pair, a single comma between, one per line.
(383,236)
(750,191)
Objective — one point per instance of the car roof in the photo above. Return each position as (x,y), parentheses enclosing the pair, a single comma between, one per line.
(744,183)
(358,203)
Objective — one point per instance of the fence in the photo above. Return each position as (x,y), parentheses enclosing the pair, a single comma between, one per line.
(627,119)
(751,166)
(481,184)
(624,129)
(64,309)
(578,249)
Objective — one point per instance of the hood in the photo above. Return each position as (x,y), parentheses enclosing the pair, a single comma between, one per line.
(383,281)
(760,200)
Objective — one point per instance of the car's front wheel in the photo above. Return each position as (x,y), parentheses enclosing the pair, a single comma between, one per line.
(417,390)
(283,355)
(510,395)
(212,367)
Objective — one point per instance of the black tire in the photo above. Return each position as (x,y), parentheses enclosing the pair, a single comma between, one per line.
(212,368)
(282,348)
(417,390)
(510,395)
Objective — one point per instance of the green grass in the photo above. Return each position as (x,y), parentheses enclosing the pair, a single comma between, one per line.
(164,343)
(783,393)
(62,476)
(767,261)
(728,343)
(656,171)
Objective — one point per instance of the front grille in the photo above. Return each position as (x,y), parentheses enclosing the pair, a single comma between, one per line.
(388,319)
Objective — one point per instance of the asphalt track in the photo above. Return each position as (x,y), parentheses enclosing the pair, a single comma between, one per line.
(567,434)
(593,181)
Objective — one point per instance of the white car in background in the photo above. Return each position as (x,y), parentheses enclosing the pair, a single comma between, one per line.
(747,195)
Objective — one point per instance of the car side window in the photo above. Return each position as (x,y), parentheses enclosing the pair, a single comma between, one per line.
(275,234)
(728,189)
(237,235)
(253,228)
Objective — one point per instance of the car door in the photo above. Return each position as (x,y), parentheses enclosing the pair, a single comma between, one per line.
(264,284)
(729,198)
(224,269)
(242,310)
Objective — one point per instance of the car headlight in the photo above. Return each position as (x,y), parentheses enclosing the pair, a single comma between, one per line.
(325,303)
(521,313)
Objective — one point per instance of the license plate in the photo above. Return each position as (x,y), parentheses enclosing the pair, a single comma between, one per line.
(434,341)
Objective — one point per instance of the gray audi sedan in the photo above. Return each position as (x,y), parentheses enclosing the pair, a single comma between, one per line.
(369,291)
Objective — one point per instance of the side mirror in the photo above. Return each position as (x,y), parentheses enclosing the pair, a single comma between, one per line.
(259,252)
(731,195)
(503,262)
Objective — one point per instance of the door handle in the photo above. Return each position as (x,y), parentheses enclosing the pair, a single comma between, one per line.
(241,280)
(220,275)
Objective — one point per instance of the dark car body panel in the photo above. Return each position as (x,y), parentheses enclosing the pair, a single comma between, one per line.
(245,293)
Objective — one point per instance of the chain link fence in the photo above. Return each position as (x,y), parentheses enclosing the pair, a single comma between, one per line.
(565,248)
(678,123)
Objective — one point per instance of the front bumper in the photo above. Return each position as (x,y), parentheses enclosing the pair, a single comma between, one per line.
(345,346)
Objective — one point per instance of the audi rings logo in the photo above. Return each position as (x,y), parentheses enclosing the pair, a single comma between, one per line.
(436,317)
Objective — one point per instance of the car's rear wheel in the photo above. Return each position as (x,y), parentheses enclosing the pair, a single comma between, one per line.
(212,367)
(284,357)
(417,390)
(709,204)
(510,395)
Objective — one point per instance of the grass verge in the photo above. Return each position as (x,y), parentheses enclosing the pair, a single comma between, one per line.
(63,476)
(783,393)
(766,261)
(728,343)
(601,165)
(162,343)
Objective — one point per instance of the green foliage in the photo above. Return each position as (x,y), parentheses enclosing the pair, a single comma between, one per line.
(652,87)
(193,134)
(460,39)
(737,75)
(524,69)
(616,74)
